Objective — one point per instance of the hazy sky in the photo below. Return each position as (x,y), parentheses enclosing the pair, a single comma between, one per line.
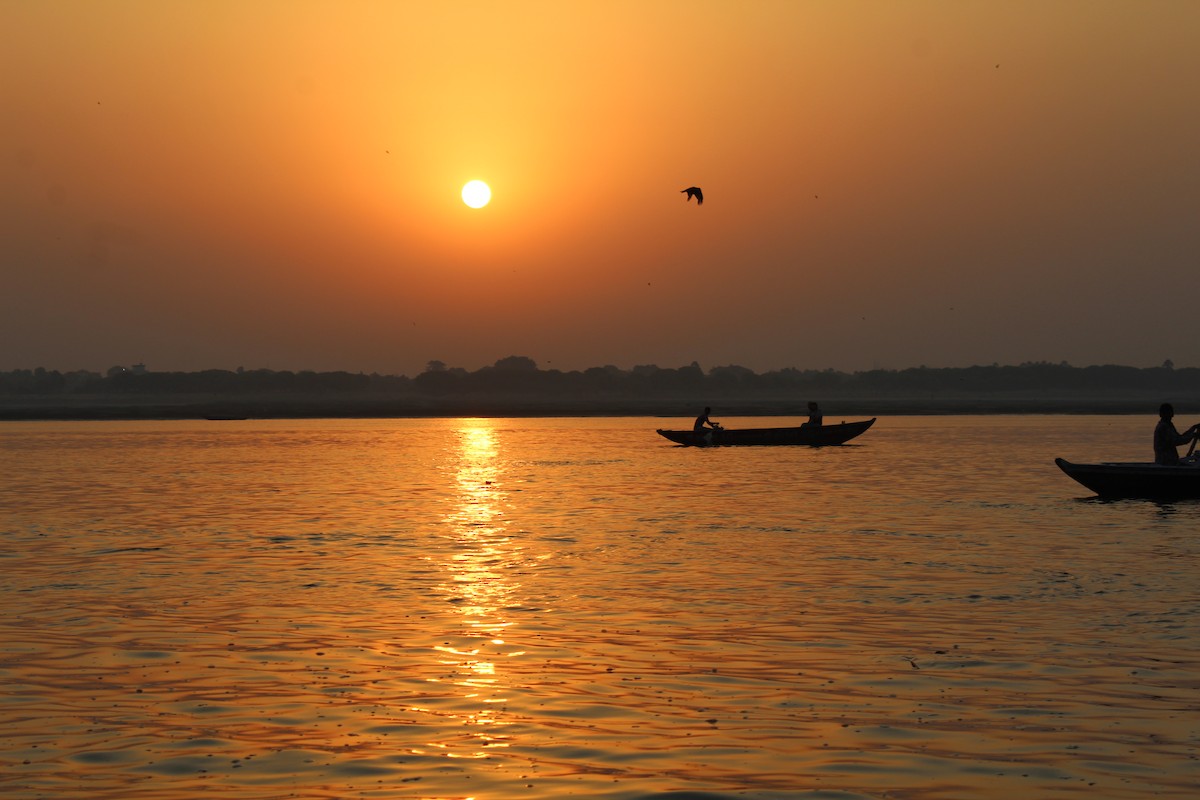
(887,184)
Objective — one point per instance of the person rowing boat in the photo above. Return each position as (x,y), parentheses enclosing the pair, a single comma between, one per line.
(703,422)
(1166,438)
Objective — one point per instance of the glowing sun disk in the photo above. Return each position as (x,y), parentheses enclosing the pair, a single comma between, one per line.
(476,194)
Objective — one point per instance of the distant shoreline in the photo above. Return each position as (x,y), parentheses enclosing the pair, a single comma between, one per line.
(178,407)
(515,387)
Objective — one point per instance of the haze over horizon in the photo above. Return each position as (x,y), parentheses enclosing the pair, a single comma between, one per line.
(277,184)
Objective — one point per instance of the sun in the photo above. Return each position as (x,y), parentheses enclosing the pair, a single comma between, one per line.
(476,194)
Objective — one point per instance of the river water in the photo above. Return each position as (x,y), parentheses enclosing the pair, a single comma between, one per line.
(545,608)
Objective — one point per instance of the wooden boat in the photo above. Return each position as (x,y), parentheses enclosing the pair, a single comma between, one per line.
(811,435)
(1137,479)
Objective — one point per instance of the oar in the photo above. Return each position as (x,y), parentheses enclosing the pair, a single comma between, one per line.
(1192,449)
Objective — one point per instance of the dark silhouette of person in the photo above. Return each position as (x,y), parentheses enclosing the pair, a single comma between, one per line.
(1166,438)
(815,418)
(694,191)
(702,421)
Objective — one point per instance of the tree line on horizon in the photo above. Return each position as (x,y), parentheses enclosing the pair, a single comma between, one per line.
(521,376)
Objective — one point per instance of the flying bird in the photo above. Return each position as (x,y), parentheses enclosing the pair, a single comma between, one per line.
(694,191)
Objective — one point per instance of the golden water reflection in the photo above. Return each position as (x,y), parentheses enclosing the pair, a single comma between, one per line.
(480,586)
(258,617)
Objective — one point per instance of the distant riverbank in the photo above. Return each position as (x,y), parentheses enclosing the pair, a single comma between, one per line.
(315,406)
(515,386)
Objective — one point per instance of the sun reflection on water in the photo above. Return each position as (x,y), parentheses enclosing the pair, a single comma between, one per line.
(480,585)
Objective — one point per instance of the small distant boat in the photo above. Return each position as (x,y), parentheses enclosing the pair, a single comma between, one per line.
(811,435)
(1137,479)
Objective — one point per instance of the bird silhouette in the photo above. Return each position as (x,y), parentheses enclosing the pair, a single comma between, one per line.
(694,191)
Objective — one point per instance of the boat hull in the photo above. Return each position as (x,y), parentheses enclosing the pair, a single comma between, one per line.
(810,435)
(1136,480)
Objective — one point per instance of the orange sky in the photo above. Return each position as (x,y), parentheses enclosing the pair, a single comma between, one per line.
(276,184)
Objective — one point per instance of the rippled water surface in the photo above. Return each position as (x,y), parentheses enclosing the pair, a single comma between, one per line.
(499,608)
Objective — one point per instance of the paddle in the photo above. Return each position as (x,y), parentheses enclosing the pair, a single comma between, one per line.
(1192,448)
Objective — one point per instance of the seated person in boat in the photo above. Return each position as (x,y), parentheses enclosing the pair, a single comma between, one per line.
(1166,438)
(703,421)
(815,419)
